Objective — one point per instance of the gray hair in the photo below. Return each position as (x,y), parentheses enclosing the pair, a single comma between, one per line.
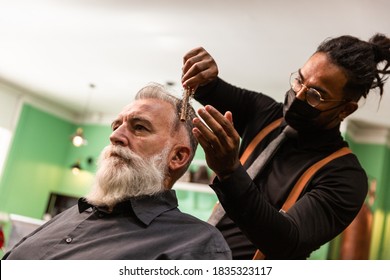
(158,91)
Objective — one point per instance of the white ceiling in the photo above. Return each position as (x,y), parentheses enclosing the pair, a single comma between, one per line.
(55,48)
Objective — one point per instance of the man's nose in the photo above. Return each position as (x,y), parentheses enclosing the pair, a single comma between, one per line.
(119,136)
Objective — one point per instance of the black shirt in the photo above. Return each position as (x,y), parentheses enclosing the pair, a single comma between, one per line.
(148,227)
(328,204)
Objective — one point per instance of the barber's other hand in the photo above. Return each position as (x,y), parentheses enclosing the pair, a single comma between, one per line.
(219,140)
(199,68)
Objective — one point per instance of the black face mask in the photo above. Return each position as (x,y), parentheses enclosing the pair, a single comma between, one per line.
(301,116)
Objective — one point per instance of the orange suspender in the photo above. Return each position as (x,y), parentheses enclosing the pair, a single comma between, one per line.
(258,138)
(309,173)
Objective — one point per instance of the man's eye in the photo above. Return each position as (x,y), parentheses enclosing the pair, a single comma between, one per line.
(139,127)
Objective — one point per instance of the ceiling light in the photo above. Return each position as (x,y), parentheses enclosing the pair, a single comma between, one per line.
(76,167)
(78,138)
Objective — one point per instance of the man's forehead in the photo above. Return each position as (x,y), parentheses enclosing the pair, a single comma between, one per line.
(146,107)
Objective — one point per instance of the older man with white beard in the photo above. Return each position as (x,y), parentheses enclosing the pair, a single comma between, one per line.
(131,211)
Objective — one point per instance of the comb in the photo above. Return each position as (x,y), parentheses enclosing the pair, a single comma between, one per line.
(187,95)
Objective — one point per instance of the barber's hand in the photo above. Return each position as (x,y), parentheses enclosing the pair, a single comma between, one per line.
(219,140)
(199,68)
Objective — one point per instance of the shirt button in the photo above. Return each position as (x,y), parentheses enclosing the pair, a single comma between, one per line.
(68,240)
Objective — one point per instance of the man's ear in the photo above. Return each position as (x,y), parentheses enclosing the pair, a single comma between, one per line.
(179,157)
(349,108)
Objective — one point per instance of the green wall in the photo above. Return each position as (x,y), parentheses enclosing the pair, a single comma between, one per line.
(375,159)
(39,162)
(384,245)
(35,164)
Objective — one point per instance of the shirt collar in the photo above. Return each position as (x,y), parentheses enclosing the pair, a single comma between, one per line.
(145,208)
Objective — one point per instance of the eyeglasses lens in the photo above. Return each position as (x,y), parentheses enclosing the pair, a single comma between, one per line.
(313,97)
(295,84)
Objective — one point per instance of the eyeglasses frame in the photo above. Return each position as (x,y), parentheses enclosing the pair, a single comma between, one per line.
(312,90)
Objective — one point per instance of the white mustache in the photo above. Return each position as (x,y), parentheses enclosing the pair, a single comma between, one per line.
(119,152)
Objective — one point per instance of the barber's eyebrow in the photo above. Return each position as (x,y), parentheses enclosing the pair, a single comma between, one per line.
(300,74)
(320,89)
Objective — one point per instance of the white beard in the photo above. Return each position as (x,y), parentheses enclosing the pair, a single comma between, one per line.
(122,174)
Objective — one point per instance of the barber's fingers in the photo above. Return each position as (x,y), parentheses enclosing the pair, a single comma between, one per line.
(200,74)
(204,135)
(222,126)
(219,140)
(219,137)
(196,52)
(229,116)
(204,127)
(199,68)
(194,56)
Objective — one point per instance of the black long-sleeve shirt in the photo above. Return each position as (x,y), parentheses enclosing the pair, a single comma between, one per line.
(330,201)
(142,228)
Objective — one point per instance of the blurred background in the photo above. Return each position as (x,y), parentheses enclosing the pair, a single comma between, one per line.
(67,67)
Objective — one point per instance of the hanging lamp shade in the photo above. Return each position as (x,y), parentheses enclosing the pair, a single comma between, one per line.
(76,167)
(78,138)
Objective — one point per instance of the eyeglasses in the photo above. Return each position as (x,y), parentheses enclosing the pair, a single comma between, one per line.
(313,96)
